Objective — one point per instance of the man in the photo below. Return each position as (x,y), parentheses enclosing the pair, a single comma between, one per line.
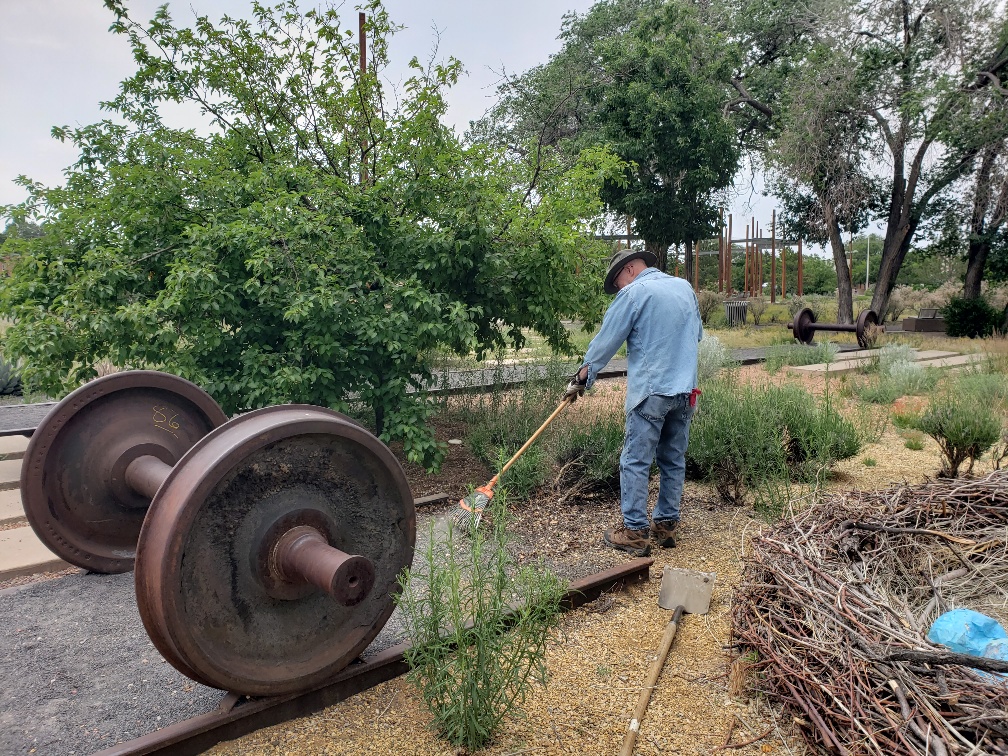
(658,317)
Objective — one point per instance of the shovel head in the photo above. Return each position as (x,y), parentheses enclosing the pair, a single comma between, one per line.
(687,588)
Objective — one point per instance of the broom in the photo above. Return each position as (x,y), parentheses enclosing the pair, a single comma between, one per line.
(470,508)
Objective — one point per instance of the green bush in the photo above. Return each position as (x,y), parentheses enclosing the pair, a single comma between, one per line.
(970,317)
(778,355)
(964,427)
(501,421)
(10,378)
(712,356)
(743,435)
(587,457)
(478,625)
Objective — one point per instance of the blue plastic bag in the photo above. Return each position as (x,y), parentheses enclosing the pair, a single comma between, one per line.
(967,632)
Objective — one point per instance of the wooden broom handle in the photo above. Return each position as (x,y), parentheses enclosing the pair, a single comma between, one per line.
(566,400)
(630,739)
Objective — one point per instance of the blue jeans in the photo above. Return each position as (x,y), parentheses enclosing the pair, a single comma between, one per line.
(657,428)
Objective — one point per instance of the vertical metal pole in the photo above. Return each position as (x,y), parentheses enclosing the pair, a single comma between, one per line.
(800,288)
(362,40)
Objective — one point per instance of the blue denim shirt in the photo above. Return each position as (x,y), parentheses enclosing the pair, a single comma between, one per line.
(658,317)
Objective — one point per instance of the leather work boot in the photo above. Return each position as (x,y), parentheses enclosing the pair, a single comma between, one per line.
(632,541)
(663,533)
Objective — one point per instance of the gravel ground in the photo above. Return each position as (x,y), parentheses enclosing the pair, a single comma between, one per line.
(86,675)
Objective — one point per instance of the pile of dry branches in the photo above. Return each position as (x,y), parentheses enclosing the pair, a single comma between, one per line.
(835,606)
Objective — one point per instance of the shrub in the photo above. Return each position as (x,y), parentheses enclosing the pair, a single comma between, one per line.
(899,302)
(587,456)
(940,297)
(796,305)
(478,626)
(711,357)
(914,441)
(757,306)
(709,302)
(10,378)
(964,428)
(743,436)
(778,355)
(869,461)
(970,317)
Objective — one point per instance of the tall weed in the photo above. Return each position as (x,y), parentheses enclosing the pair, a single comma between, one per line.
(478,624)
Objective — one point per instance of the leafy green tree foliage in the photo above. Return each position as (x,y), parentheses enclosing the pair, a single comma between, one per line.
(649,79)
(660,107)
(909,88)
(314,245)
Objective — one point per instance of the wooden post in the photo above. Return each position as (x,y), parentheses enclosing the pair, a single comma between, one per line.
(720,252)
(745,275)
(783,271)
(696,268)
(773,256)
(800,289)
(728,255)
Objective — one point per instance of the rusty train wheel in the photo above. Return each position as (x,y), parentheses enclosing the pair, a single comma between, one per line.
(206,597)
(72,477)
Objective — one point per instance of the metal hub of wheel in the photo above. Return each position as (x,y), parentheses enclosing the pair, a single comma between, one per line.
(270,555)
(73,481)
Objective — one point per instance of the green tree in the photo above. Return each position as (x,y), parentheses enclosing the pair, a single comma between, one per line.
(650,79)
(315,245)
(660,107)
(909,86)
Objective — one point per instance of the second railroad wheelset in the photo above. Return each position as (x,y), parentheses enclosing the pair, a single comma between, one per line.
(266,548)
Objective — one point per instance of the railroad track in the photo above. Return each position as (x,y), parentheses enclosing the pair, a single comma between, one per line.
(239,715)
(265,552)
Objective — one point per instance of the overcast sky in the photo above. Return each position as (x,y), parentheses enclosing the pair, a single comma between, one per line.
(58,61)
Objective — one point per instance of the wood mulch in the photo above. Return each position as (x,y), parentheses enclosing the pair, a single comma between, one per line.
(703,702)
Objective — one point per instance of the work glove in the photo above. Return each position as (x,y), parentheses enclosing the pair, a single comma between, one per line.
(576,387)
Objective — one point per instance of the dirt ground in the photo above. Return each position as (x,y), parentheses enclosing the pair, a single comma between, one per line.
(601,652)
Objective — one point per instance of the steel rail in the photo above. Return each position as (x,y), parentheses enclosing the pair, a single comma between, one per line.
(239,715)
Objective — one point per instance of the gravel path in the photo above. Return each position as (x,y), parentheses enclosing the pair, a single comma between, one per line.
(81,674)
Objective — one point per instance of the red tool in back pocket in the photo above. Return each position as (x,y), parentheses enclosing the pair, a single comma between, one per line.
(694,395)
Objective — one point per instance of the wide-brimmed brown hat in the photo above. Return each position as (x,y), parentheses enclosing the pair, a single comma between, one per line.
(620,258)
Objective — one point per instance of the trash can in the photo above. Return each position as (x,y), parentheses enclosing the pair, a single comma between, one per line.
(736,311)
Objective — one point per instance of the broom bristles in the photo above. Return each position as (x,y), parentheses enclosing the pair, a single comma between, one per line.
(470,508)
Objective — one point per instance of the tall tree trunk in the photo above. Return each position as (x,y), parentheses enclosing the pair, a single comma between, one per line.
(982,229)
(659,250)
(979,248)
(845,302)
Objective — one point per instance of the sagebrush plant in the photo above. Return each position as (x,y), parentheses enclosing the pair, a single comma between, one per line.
(964,427)
(479,626)
(779,355)
(708,302)
(744,435)
(712,356)
(757,306)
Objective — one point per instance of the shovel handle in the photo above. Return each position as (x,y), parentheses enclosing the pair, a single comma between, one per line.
(630,739)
